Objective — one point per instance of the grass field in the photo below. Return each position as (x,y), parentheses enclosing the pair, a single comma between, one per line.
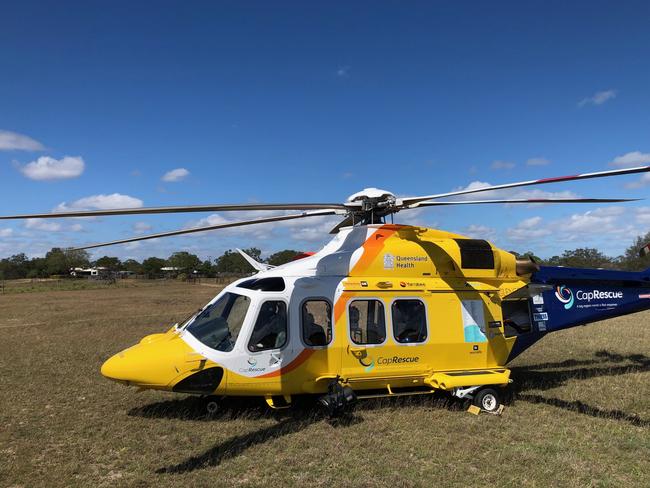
(579,416)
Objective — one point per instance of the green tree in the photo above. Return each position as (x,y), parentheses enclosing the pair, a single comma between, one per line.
(528,254)
(207,269)
(631,260)
(582,258)
(16,266)
(37,268)
(184,261)
(133,266)
(110,263)
(233,262)
(282,257)
(59,261)
(151,266)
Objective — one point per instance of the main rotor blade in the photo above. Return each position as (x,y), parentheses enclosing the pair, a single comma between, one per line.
(180,209)
(599,174)
(211,227)
(527,200)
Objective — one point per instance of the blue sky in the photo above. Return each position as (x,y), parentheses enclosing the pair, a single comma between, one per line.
(306,101)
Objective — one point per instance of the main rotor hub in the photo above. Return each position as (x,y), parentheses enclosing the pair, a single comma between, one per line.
(371,204)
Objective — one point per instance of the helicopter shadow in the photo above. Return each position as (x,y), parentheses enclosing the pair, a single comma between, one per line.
(302,415)
(305,412)
(546,376)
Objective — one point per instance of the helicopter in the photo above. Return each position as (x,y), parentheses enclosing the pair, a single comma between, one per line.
(382,310)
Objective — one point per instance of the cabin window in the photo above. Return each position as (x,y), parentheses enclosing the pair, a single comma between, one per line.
(270,330)
(316,322)
(367,322)
(263,284)
(409,321)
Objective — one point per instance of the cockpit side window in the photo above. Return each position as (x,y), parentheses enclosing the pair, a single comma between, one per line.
(367,322)
(270,330)
(218,325)
(316,322)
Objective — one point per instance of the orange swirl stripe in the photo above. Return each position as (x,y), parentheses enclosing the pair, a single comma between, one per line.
(371,249)
(301,358)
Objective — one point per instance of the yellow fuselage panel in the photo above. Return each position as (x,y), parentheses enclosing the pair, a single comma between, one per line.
(413,252)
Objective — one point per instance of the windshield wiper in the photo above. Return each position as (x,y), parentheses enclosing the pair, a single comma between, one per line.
(190,316)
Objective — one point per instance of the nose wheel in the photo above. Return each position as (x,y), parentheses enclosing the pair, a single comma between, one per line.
(487,399)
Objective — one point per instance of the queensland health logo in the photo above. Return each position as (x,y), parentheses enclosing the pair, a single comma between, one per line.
(565,295)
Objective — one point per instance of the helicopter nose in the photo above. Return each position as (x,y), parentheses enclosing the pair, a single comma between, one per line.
(161,361)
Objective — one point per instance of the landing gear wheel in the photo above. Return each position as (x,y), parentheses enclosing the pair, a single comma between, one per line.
(487,399)
(212,403)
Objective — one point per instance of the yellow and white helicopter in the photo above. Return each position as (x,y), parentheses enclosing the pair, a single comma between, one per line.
(381,310)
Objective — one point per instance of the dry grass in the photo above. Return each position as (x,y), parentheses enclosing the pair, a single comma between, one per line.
(579,416)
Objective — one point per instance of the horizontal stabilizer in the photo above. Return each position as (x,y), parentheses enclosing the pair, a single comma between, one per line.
(255,264)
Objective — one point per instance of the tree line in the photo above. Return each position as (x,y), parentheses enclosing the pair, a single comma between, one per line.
(59,262)
(587,257)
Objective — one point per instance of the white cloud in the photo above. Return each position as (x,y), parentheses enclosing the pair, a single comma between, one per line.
(478,231)
(509,193)
(598,98)
(528,229)
(343,71)
(47,168)
(12,141)
(600,227)
(6,232)
(642,215)
(311,229)
(502,165)
(51,225)
(640,183)
(631,159)
(43,224)
(536,193)
(537,162)
(141,227)
(100,202)
(634,158)
(175,175)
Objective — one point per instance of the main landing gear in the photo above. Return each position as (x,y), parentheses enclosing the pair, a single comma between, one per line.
(487,399)
(338,400)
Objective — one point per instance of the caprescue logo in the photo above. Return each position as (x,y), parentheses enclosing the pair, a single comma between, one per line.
(565,295)
(397,360)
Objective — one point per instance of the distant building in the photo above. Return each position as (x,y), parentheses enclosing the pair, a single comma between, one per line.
(170,271)
(89,272)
